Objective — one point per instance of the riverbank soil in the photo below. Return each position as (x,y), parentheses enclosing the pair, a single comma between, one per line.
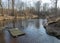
(53,29)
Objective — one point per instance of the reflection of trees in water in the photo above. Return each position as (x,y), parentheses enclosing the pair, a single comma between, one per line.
(44,22)
(2,23)
(22,23)
(37,23)
(25,23)
(2,37)
(18,23)
(14,21)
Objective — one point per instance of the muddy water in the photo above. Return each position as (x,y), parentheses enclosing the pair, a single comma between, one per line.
(35,33)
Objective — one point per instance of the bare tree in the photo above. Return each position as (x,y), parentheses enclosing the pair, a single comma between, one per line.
(19,5)
(13,7)
(0,4)
(1,7)
(55,5)
(45,7)
(37,7)
(8,6)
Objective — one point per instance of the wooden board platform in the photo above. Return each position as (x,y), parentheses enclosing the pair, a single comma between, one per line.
(16,32)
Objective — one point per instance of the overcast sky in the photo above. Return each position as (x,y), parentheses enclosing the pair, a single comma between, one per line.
(43,1)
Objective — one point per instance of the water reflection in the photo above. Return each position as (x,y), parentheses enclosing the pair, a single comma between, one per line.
(7,37)
(33,34)
(37,24)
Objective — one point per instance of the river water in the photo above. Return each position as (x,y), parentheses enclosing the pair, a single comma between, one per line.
(34,30)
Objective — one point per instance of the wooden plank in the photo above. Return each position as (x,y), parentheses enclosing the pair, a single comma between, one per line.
(16,32)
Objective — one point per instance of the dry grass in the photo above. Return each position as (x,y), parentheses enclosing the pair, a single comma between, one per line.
(18,17)
(53,19)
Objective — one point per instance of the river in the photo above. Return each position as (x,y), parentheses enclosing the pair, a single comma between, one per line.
(35,33)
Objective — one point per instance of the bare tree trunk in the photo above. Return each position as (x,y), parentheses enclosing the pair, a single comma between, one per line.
(56,7)
(8,7)
(1,8)
(0,3)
